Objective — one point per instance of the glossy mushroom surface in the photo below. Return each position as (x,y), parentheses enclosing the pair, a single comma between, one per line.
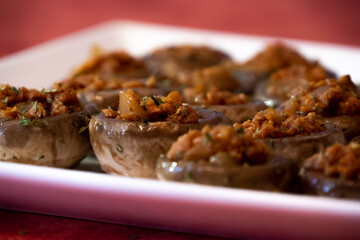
(183,59)
(289,135)
(131,148)
(58,141)
(222,157)
(333,172)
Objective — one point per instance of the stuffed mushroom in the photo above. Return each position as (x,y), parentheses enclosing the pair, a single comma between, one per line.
(129,141)
(175,61)
(334,172)
(221,156)
(99,79)
(46,128)
(335,101)
(292,136)
(237,107)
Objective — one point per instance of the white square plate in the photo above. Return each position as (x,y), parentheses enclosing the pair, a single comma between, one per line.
(182,207)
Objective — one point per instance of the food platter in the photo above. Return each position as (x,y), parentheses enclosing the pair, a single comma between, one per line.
(87,193)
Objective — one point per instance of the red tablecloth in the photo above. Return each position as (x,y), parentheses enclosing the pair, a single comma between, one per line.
(24,23)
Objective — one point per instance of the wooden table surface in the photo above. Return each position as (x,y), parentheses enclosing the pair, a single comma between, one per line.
(26,23)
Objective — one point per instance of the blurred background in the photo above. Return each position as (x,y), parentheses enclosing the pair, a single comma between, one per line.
(24,23)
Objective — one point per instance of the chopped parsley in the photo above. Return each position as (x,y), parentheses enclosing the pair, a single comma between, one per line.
(119,148)
(49,100)
(24,121)
(2,88)
(82,129)
(15,90)
(207,139)
(15,157)
(313,97)
(5,100)
(34,106)
(48,90)
(156,100)
(256,131)
(41,157)
(22,109)
(144,120)
(241,130)
(299,128)
(184,113)
(178,154)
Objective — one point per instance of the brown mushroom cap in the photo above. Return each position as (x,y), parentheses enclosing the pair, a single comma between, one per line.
(110,98)
(238,113)
(313,182)
(132,148)
(174,60)
(277,174)
(300,147)
(350,125)
(57,141)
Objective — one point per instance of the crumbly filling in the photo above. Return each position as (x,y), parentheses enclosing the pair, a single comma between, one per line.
(285,79)
(337,161)
(213,96)
(219,145)
(107,71)
(152,109)
(277,124)
(23,103)
(274,57)
(328,97)
(95,82)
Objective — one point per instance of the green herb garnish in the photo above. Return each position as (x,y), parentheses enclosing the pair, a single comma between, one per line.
(16,90)
(184,113)
(34,106)
(5,100)
(41,157)
(207,139)
(83,129)
(299,128)
(272,144)
(24,121)
(2,88)
(22,109)
(119,148)
(241,130)
(313,97)
(49,100)
(48,90)
(178,154)
(156,100)
(15,157)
